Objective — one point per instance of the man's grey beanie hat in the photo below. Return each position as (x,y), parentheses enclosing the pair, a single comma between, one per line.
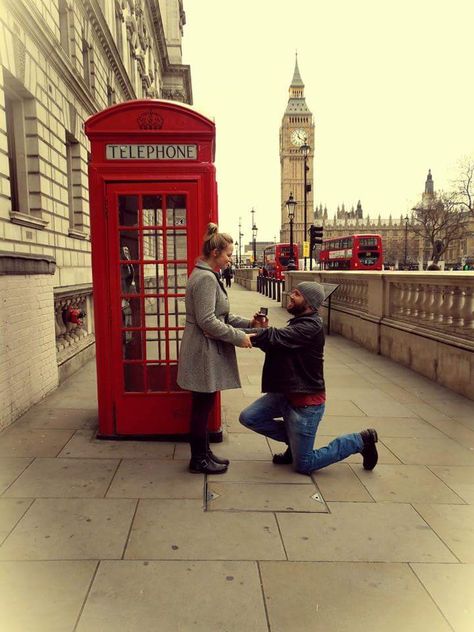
(313,293)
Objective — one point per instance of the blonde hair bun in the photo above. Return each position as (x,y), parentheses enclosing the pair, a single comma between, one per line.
(212,229)
(214,240)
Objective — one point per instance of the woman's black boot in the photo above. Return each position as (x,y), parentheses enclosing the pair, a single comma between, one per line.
(205,465)
(217,459)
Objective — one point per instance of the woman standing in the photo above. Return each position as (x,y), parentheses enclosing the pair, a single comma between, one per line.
(207,360)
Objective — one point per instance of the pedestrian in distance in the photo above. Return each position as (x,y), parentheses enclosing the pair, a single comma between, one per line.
(207,360)
(227,275)
(293,383)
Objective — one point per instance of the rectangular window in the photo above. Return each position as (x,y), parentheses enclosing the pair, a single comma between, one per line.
(77,197)
(86,62)
(64,23)
(15,117)
(11,140)
(119,27)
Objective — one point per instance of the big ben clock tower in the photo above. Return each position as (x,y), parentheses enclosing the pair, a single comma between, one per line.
(296,131)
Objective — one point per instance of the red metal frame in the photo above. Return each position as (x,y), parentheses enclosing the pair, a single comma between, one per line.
(165,413)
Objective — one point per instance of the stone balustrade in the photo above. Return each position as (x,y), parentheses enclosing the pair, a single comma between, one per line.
(247,277)
(424,320)
(74,340)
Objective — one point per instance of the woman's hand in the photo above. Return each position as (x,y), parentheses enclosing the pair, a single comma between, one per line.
(247,342)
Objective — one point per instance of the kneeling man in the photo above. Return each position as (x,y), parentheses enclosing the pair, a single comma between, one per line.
(293,381)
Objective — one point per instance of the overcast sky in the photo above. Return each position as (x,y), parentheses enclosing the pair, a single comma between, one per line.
(390,85)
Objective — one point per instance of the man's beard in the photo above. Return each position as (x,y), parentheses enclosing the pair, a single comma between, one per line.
(296,310)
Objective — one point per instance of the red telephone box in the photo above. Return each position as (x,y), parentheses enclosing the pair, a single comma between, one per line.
(152,193)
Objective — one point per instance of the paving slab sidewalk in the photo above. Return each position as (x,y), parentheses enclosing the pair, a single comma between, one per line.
(98,536)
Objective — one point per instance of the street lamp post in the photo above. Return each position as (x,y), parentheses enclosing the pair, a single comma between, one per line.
(407,219)
(290,205)
(254,238)
(240,241)
(305,149)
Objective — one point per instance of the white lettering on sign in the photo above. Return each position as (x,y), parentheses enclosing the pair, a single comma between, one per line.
(151,152)
(340,254)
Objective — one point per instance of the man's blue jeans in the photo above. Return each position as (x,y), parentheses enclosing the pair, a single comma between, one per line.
(298,430)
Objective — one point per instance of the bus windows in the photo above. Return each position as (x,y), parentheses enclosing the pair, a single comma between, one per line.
(353,252)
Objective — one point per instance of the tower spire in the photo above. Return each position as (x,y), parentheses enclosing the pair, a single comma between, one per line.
(429,184)
(297,101)
(297,82)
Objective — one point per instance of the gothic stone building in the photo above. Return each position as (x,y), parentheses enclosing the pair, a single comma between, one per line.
(61,61)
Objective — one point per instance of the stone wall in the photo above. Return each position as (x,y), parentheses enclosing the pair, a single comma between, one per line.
(28,367)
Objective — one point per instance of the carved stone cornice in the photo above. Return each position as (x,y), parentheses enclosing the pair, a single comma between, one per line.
(168,69)
(43,37)
(109,47)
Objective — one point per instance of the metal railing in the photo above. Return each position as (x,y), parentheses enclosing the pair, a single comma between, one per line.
(270,287)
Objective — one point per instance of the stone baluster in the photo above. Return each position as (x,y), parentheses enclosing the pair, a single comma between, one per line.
(411,297)
(428,308)
(365,296)
(442,306)
(402,296)
(61,329)
(467,312)
(355,294)
(447,305)
(420,300)
(437,311)
(456,307)
(408,299)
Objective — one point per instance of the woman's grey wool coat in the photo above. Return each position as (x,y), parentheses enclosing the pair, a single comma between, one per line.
(207,364)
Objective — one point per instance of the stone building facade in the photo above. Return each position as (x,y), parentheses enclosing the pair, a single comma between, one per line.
(60,62)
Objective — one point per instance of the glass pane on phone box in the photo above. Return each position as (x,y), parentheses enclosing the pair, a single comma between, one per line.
(152,244)
(154,312)
(153,277)
(176,245)
(156,377)
(128,245)
(131,345)
(174,336)
(155,345)
(152,213)
(128,210)
(131,312)
(177,311)
(129,278)
(176,210)
(133,378)
(177,277)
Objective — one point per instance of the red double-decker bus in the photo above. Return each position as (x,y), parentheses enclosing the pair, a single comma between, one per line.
(354,252)
(276,259)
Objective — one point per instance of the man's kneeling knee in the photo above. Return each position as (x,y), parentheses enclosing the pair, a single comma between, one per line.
(244,420)
(302,467)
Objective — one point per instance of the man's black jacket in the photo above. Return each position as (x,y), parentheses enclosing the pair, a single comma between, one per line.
(293,356)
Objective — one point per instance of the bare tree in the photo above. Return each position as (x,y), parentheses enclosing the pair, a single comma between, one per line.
(463,186)
(440,222)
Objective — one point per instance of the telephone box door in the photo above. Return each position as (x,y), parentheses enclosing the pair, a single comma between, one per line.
(153,241)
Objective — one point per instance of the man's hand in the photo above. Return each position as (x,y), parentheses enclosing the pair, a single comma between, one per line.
(259,321)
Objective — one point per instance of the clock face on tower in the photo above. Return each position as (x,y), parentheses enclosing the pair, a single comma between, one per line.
(298,137)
